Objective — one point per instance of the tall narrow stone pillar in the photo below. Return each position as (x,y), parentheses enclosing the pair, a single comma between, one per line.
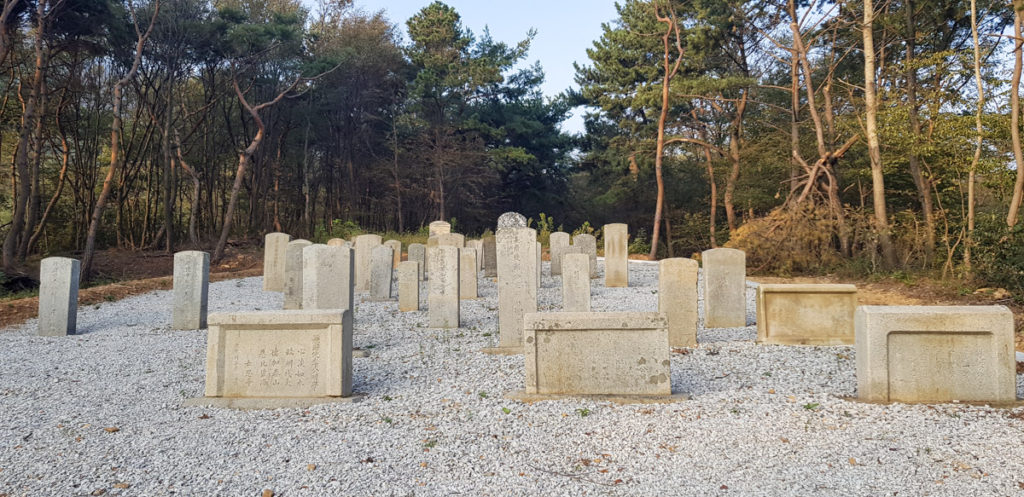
(587,244)
(540,264)
(396,248)
(381,259)
(677,299)
(443,297)
(191,288)
(418,253)
(327,277)
(559,245)
(293,274)
(408,286)
(274,247)
(364,244)
(575,283)
(616,255)
(467,274)
(517,285)
(58,296)
(725,288)
(490,257)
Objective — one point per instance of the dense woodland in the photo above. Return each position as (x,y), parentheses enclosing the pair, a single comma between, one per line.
(868,137)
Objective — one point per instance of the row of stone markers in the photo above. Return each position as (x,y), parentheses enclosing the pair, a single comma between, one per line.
(58,293)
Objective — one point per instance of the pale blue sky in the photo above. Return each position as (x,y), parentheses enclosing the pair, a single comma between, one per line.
(565,29)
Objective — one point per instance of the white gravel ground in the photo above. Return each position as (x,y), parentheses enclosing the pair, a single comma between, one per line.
(762,420)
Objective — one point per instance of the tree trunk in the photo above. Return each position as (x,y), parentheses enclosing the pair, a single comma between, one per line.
(669,71)
(871,132)
(969,241)
(924,189)
(1018,157)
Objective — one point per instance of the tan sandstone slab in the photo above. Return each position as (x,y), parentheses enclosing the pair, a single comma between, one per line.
(935,354)
(616,255)
(806,314)
(602,353)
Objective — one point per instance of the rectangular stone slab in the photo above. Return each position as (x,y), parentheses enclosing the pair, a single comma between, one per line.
(602,353)
(616,255)
(935,354)
(805,314)
(58,296)
(279,354)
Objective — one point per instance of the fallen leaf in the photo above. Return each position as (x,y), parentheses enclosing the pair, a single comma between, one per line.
(618,481)
(122,485)
(310,467)
(853,461)
(99,491)
(784,440)
(602,471)
(724,487)
(423,465)
(771,390)
(204,416)
(522,474)
(112,429)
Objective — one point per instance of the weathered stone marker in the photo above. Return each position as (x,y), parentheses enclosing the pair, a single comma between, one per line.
(517,286)
(587,244)
(725,288)
(439,228)
(467,274)
(278,359)
(511,220)
(490,257)
(396,252)
(616,255)
(576,283)
(191,288)
(58,296)
(293,274)
(327,277)
(457,240)
(935,354)
(418,253)
(381,258)
(602,353)
(478,246)
(558,245)
(540,264)
(408,286)
(806,314)
(338,242)
(275,246)
(443,294)
(677,299)
(364,246)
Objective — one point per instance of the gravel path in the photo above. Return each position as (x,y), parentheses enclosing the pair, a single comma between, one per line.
(762,420)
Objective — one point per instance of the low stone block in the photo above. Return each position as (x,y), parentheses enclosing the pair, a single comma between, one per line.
(279,355)
(467,274)
(587,244)
(191,288)
(935,354)
(396,252)
(583,353)
(418,253)
(677,299)
(725,288)
(443,295)
(327,277)
(408,286)
(616,255)
(58,296)
(800,314)
(576,283)
(275,246)
(293,274)
(381,259)
(558,245)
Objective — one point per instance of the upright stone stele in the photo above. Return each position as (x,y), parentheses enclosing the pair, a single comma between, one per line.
(396,252)
(191,288)
(478,246)
(443,295)
(613,354)
(490,257)
(575,283)
(616,255)
(263,360)
(418,253)
(338,242)
(467,274)
(381,259)
(408,286)
(802,314)
(540,263)
(558,245)
(725,288)
(327,277)
(677,299)
(439,228)
(935,354)
(58,296)
(517,287)
(364,244)
(293,274)
(587,244)
(275,246)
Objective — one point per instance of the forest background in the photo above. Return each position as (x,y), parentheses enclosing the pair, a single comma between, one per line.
(819,136)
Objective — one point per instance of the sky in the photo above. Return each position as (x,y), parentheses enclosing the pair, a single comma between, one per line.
(565,29)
